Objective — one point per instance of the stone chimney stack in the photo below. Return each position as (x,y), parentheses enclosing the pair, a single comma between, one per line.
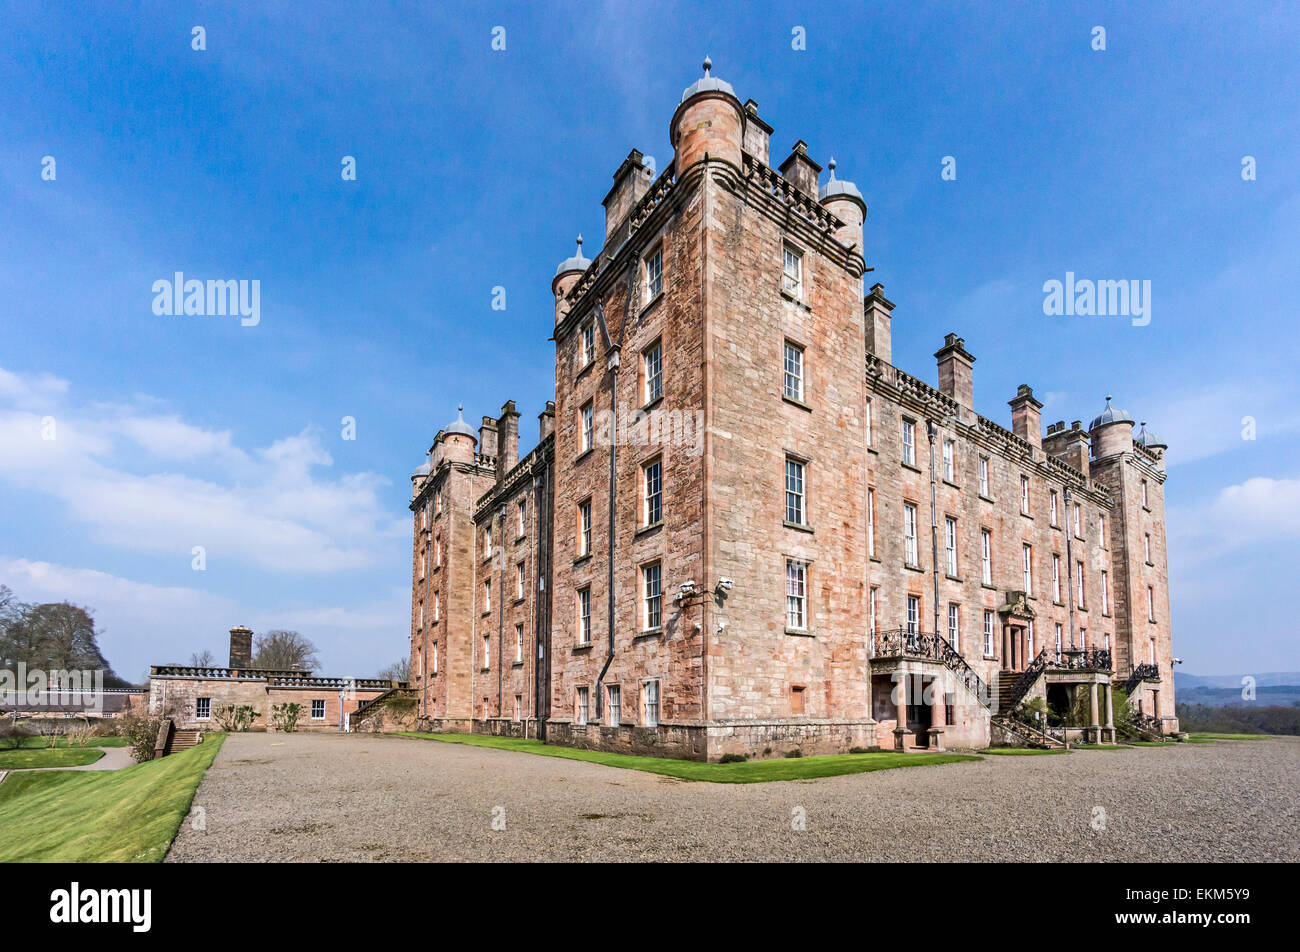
(801,171)
(956,374)
(546,421)
(1027,417)
(879,313)
(758,134)
(1068,445)
(507,439)
(631,181)
(241,648)
(487,437)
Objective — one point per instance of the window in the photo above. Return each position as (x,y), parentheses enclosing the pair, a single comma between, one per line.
(984,475)
(652,489)
(1029,637)
(909,442)
(588,424)
(954,626)
(1056,578)
(654,273)
(584,615)
(1024,494)
(202,708)
(1078,568)
(793,371)
(1101,530)
(792,272)
(1053,507)
(437,503)
(949,461)
(794,492)
(796,607)
(651,691)
(1029,569)
(913,613)
(519,707)
(1078,521)
(950,543)
(424,563)
(1144,492)
(583,705)
(871,523)
(522,512)
(986,556)
(1058,642)
(424,517)
(873,605)
(434,659)
(988,634)
(796,699)
(487,595)
(519,580)
(1146,546)
(950,709)
(1105,593)
(519,644)
(1083,637)
(910,555)
(867,418)
(487,651)
(584,528)
(1151,603)
(615,693)
(587,344)
(652,372)
(421,624)
(437,552)
(652,596)
(318,709)
(437,605)
(487,541)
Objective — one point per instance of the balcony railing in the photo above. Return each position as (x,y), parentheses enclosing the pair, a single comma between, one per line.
(1081,659)
(929,646)
(1143,672)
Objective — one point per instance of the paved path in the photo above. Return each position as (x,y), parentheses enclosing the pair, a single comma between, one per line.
(310,797)
(115,758)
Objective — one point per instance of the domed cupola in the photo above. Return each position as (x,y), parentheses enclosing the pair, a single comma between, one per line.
(1148,439)
(575,263)
(1109,415)
(707,83)
(459,427)
(838,188)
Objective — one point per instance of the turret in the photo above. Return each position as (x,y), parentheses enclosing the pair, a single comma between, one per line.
(458,440)
(566,276)
(709,121)
(843,200)
(1111,431)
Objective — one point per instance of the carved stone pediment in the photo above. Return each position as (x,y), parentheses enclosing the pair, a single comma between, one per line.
(1017,606)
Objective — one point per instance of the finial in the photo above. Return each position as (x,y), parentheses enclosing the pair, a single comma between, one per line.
(1144,423)
(1108,399)
(460,410)
(708,65)
(580,244)
(831,165)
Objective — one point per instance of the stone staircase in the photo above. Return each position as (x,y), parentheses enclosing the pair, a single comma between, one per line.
(182,740)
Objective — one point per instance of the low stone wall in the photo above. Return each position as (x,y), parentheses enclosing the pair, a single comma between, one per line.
(679,741)
(388,717)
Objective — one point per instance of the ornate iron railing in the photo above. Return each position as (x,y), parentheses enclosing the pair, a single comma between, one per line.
(1081,659)
(1143,672)
(930,646)
(1025,682)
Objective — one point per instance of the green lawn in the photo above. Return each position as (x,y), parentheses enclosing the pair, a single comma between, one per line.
(1022,751)
(1152,743)
(119,816)
(1205,738)
(31,758)
(90,742)
(758,771)
(1100,747)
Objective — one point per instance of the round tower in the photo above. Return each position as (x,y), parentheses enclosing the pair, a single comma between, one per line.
(709,120)
(566,276)
(843,200)
(1111,432)
(458,439)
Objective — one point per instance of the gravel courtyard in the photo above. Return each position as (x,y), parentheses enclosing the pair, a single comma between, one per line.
(359,797)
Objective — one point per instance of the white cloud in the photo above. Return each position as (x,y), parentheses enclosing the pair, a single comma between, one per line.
(269,507)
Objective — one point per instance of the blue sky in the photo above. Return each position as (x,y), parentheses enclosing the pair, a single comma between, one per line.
(476,168)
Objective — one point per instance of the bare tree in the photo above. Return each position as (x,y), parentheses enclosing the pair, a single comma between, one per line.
(397,671)
(281,650)
(203,659)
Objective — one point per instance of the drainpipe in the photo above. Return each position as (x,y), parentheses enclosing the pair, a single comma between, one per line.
(933,431)
(1069,581)
(501,605)
(428,578)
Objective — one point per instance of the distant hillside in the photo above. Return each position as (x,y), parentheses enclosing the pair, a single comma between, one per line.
(1183,681)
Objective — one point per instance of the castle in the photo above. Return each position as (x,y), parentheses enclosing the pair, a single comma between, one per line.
(745,531)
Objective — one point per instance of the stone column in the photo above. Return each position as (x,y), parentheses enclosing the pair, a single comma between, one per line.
(1094,726)
(937,714)
(900,707)
(1110,711)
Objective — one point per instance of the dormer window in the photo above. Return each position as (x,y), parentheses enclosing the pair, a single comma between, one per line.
(792,271)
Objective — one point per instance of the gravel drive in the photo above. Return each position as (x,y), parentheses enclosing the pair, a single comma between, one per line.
(359,797)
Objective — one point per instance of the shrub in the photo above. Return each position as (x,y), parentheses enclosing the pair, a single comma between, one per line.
(13,734)
(862,750)
(794,753)
(79,734)
(235,719)
(285,716)
(733,758)
(141,731)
